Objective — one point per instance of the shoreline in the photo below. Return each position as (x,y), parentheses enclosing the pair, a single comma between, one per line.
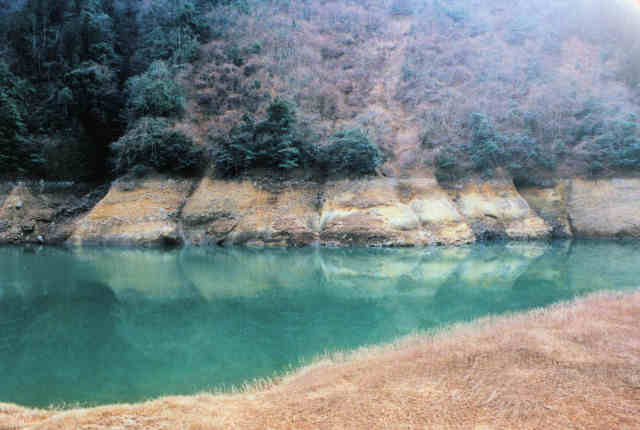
(252,247)
(574,364)
(160,211)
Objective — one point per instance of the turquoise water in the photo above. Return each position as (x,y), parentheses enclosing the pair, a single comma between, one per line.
(103,325)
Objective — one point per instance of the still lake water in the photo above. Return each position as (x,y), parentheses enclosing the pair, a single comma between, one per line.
(102,325)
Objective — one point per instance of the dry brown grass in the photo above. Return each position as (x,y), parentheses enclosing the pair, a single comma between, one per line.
(574,365)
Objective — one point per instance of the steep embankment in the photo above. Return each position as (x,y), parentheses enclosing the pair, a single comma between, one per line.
(145,213)
(372,212)
(572,366)
(589,208)
(43,213)
(366,212)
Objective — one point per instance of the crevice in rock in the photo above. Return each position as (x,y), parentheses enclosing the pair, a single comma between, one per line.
(567,197)
(190,192)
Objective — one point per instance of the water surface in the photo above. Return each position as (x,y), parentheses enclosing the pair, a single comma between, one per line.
(103,325)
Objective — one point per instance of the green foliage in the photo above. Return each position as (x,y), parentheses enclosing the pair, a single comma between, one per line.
(486,146)
(154,93)
(351,151)
(447,164)
(256,48)
(83,72)
(11,134)
(71,54)
(15,154)
(92,92)
(78,59)
(520,154)
(235,55)
(488,149)
(273,143)
(51,37)
(172,31)
(525,158)
(617,145)
(150,144)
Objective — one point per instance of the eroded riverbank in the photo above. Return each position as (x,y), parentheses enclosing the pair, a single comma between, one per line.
(370,212)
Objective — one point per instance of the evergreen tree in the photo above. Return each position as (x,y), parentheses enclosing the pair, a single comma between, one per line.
(273,143)
(13,154)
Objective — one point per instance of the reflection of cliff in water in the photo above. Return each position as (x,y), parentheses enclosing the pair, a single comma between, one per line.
(104,325)
(56,342)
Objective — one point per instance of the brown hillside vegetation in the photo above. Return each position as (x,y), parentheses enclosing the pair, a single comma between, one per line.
(411,73)
(573,365)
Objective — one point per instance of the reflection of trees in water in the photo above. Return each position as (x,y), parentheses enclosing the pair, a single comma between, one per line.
(68,342)
(228,315)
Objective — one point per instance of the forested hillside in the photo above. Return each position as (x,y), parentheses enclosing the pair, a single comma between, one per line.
(65,76)
(94,89)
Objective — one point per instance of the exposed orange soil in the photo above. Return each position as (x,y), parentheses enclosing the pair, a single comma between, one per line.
(571,366)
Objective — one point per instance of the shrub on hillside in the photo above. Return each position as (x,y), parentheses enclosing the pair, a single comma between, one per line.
(150,144)
(273,143)
(154,93)
(525,157)
(522,155)
(486,147)
(617,145)
(351,151)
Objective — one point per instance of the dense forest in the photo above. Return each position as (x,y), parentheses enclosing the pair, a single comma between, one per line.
(73,77)
(94,89)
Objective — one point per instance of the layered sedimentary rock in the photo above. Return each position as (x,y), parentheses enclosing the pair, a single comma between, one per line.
(605,207)
(436,212)
(495,209)
(41,213)
(390,212)
(367,212)
(241,212)
(589,208)
(552,204)
(379,212)
(145,213)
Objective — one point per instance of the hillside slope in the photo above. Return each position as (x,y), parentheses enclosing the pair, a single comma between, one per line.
(494,119)
(554,82)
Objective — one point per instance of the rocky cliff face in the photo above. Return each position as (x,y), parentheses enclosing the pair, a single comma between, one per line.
(145,213)
(241,212)
(367,212)
(42,213)
(552,204)
(605,208)
(495,209)
(589,208)
(390,212)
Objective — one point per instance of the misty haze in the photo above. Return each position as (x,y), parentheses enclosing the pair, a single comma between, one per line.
(319,214)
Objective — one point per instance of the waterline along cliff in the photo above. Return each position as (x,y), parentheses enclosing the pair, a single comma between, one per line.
(379,211)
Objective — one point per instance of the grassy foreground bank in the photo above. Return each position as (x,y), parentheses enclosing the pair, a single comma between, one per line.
(574,365)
